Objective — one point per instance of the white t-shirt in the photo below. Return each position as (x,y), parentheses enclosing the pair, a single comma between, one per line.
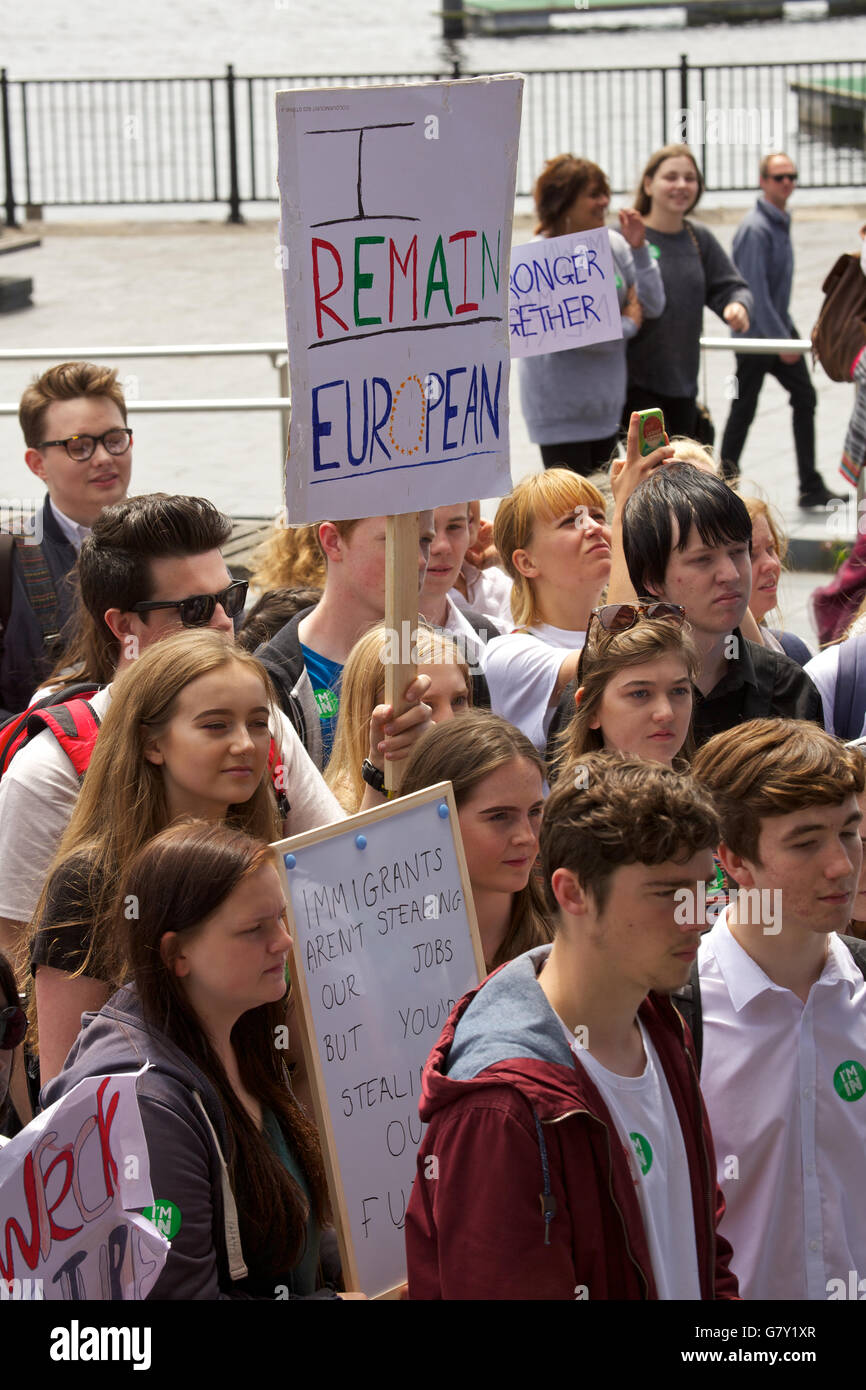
(823,671)
(39,790)
(643,1111)
(522,670)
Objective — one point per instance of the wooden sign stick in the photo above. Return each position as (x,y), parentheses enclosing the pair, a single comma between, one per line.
(401,615)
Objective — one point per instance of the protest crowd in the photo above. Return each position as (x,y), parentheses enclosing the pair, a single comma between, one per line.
(658,1088)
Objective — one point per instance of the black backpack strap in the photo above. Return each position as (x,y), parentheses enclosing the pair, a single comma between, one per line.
(688,1000)
(850,692)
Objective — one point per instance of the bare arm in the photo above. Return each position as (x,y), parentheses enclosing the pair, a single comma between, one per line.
(625,476)
(61,999)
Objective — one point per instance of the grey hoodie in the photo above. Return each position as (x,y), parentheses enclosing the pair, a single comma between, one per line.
(185,1128)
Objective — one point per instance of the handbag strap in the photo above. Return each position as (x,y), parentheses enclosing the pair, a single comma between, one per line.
(695,243)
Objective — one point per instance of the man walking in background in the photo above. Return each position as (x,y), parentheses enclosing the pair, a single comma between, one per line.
(763,254)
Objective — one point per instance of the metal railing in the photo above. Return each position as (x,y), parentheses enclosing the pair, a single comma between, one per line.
(275,352)
(100,142)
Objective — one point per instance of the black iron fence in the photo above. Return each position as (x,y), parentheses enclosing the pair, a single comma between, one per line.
(97,142)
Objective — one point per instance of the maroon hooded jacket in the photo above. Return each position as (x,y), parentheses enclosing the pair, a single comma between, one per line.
(523,1187)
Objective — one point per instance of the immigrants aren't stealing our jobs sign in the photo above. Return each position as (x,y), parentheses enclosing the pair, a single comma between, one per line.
(396,211)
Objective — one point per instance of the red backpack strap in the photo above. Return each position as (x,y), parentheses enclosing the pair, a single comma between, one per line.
(75,725)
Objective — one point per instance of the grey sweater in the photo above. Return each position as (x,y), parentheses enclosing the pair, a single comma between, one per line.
(579,394)
(762,252)
(665,354)
(185,1129)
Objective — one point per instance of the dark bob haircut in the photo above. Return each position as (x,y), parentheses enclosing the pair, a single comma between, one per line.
(682,493)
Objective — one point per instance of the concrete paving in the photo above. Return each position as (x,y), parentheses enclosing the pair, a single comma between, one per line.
(99,285)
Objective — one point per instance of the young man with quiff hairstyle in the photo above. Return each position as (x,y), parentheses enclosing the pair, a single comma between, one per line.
(568,1153)
(73,418)
(783,1008)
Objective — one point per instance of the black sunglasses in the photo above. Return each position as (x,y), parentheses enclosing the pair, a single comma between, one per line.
(780,178)
(81,447)
(13,1026)
(198,610)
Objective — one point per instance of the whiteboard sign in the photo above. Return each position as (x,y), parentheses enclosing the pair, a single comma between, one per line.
(384,943)
(396,211)
(562,293)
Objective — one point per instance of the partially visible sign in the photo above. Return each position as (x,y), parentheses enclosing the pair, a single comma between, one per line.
(562,293)
(70,1184)
(385,942)
(396,211)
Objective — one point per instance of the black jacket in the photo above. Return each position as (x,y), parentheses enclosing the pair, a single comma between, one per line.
(24,658)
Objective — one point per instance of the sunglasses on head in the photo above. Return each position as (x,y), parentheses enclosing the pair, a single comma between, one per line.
(13,1026)
(619,617)
(198,610)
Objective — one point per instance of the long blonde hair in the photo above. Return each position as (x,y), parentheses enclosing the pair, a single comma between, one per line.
(362,688)
(122,802)
(539,497)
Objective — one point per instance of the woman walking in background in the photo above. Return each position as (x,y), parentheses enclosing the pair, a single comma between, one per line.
(572,400)
(664,356)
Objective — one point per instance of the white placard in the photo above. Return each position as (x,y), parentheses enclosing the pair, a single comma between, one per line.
(384,944)
(69,1186)
(396,211)
(562,293)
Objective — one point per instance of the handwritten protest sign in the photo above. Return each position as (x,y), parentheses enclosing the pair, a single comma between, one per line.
(385,942)
(562,293)
(396,211)
(69,1186)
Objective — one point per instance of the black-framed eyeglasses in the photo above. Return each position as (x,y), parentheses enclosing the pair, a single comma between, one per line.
(780,178)
(81,447)
(13,1026)
(198,610)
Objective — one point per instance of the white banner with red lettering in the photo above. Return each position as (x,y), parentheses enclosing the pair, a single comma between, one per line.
(70,1187)
(396,210)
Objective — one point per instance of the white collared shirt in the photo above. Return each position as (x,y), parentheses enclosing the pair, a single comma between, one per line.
(785,1088)
(488,591)
(74,532)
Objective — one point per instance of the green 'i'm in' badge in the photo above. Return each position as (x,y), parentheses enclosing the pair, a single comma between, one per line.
(166,1218)
(643,1151)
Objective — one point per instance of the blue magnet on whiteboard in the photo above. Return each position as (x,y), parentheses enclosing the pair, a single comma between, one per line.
(289,860)
(443,810)
(360,841)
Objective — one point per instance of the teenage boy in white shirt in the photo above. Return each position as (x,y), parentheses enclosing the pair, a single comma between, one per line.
(783,1007)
